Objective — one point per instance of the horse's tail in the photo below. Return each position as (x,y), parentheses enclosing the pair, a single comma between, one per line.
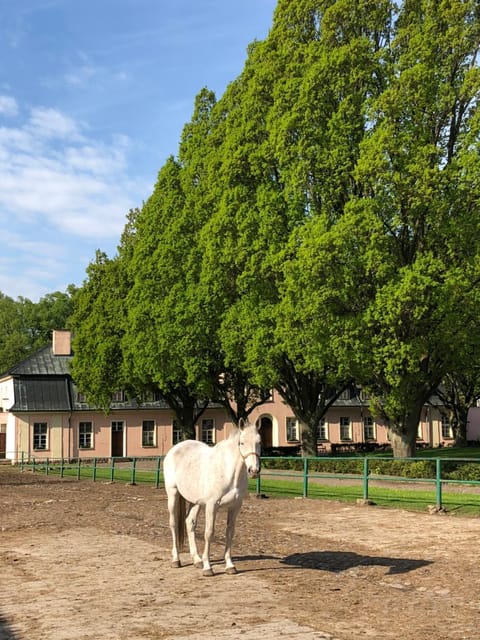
(180,524)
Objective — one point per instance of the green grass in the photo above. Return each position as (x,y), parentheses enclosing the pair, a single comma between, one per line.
(411,499)
(450,452)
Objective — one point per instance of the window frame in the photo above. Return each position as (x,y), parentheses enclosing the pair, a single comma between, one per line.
(85,423)
(152,433)
(323,433)
(371,426)
(345,423)
(176,432)
(43,436)
(446,428)
(292,427)
(207,433)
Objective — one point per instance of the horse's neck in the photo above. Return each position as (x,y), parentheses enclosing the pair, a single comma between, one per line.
(232,457)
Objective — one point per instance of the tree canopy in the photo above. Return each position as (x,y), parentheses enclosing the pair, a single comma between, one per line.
(26,326)
(320,222)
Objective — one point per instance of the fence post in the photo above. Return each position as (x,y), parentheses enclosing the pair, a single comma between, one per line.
(305,477)
(438,482)
(134,465)
(258,485)
(157,473)
(46,466)
(365,478)
(79,462)
(112,470)
(94,471)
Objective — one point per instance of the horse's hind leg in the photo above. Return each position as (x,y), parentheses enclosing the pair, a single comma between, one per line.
(174,498)
(192,543)
(231,518)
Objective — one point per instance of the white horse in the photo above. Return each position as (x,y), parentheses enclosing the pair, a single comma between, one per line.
(197,475)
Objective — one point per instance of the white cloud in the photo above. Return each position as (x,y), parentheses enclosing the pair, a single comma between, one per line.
(52,172)
(51,123)
(81,76)
(8,106)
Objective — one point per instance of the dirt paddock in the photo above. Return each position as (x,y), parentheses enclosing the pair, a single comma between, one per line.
(91,561)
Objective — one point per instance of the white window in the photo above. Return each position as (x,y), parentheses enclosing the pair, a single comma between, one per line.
(207,434)
(40,436)
(368,428)
(176,432)
(118,396)
(148,433)
(345,429)
(447,431)
(323,430)
(85,435)
(292,429)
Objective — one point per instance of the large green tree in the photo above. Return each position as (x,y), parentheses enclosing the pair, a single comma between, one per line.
(294,120)
(98,323)
(419,170)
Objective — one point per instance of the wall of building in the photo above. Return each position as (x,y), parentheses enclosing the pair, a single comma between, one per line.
(63,430)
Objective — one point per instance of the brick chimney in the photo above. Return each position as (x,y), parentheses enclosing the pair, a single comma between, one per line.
(61,342)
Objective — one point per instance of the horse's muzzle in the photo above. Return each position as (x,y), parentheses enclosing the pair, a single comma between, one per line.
(253,472)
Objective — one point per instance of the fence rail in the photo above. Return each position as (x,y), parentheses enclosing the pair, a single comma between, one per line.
(150,470)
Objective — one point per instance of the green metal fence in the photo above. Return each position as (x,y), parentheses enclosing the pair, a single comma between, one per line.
(150,470)
(366,477)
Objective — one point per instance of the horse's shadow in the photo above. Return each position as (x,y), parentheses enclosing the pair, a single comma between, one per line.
(338,561)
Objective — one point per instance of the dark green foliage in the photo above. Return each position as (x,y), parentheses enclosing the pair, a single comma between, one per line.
(26,326)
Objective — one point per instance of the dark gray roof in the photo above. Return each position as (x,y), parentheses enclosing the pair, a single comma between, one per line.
(42,362)
(36,393)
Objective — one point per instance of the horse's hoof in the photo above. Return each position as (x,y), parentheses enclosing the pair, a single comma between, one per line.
(176,564)
(208,572)
(231,571)
(198,565)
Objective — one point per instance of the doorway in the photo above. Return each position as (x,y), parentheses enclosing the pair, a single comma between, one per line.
(266,431)
(117,439)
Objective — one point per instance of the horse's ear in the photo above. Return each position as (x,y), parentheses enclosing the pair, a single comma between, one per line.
(241,424)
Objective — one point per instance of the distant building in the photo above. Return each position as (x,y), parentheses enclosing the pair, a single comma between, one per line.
(44,415)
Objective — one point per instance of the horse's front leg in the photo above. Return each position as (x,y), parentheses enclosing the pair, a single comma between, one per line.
(231,518)
(192,543)
(173,510)
(210,515)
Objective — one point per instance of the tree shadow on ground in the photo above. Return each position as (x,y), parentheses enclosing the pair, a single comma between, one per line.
(6,632)
(337,561)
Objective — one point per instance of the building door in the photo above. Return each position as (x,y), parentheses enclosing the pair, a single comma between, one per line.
(266,429)
(117,439)
(3,445)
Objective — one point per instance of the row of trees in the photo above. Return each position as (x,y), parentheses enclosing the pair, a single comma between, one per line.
(25,326)
(319,225)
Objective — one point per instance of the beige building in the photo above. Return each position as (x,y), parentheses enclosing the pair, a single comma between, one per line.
(44,415)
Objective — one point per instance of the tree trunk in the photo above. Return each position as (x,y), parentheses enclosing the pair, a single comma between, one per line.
(403,434)
(459,425)
(403,444)
(308,438)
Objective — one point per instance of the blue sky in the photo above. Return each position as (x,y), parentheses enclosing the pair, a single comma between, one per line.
(93,98)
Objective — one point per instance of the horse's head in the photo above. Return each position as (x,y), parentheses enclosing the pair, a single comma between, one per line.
(249,445)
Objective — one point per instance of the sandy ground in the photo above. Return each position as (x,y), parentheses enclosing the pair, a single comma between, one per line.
(91,561)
